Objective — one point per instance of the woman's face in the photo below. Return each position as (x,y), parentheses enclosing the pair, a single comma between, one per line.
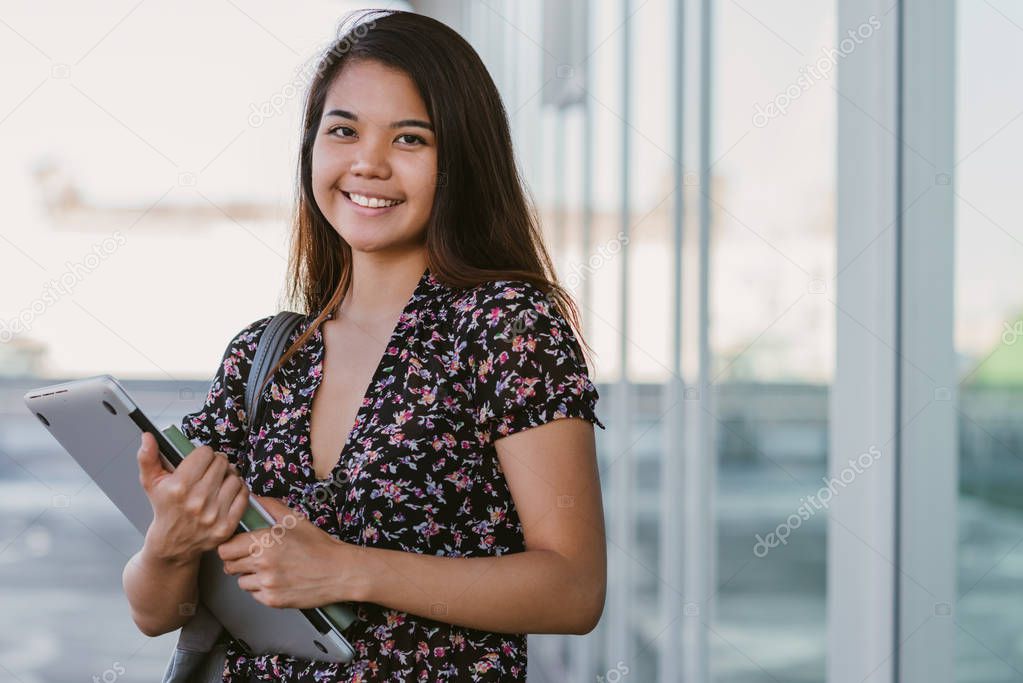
(375,146)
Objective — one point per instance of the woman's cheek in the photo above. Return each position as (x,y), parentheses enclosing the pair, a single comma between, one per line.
(325,169)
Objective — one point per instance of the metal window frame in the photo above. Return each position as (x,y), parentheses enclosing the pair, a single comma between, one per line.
(928,444)
(892,534)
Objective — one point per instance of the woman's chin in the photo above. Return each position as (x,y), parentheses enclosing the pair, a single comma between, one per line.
(375,240)
(368,243)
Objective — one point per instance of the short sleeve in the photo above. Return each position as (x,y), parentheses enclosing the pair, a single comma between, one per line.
(221,422)
(525,367)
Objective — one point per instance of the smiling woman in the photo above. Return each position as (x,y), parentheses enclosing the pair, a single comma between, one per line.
(431,422)
(366,165)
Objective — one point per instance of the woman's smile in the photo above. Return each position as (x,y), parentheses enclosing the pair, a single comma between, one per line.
(358,205)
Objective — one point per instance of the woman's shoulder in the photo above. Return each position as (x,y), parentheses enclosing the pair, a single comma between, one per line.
(245,340)
(524,365)
(253,329)
(495,303)
(509,289)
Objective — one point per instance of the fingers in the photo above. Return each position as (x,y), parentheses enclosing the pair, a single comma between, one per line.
(208,486)
(232,516)
(229,489)
(236,546)
(193,467)
(239,505)
(150,466)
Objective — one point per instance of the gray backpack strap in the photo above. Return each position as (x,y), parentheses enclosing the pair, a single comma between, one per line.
(271,347)
(200,652)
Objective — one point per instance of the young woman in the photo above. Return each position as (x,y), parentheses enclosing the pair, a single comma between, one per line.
(430,427)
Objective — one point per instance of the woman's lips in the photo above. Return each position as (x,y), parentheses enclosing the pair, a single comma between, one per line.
(367,211)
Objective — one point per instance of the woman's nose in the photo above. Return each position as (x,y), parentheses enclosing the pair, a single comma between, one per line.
(371,160)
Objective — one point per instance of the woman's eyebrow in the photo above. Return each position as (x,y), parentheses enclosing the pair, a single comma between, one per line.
(417,123)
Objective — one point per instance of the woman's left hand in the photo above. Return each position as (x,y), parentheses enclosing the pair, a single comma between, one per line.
(292,564)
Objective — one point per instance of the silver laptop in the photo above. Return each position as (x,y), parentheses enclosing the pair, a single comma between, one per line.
(99,425)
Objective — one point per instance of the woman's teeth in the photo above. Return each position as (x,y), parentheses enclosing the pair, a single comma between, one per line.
(372,202)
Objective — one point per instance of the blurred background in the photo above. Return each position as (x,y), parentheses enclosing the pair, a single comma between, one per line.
(789,226)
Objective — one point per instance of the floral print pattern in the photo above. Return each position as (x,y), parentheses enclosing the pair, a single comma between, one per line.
(419,471)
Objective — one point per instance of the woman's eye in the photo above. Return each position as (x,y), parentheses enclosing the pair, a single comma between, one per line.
(414,137)
(337,128)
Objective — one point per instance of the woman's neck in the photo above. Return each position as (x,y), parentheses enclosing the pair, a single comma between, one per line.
(381,285)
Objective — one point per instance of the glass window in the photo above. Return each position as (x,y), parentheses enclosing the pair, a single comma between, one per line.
(772,332)
(989,342)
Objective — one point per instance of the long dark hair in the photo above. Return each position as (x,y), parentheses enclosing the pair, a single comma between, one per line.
(483,225)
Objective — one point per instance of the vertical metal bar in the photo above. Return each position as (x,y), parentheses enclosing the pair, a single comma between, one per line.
(926,475)
(587,189)
(861,547)
(584,648)
(897,304)
(707,431)
(700,454)
(513,46)
(559,183)
(496,35)
(620,630)
(533,110)
(672,453)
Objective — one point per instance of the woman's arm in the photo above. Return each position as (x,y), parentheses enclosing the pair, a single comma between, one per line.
(556,586)
(158,589)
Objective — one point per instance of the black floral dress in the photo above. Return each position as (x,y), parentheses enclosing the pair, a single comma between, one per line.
(419,471)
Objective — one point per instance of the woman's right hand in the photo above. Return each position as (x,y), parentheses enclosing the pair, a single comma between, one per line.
(196,507)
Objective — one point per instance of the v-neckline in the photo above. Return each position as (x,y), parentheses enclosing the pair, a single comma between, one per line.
(394,340)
